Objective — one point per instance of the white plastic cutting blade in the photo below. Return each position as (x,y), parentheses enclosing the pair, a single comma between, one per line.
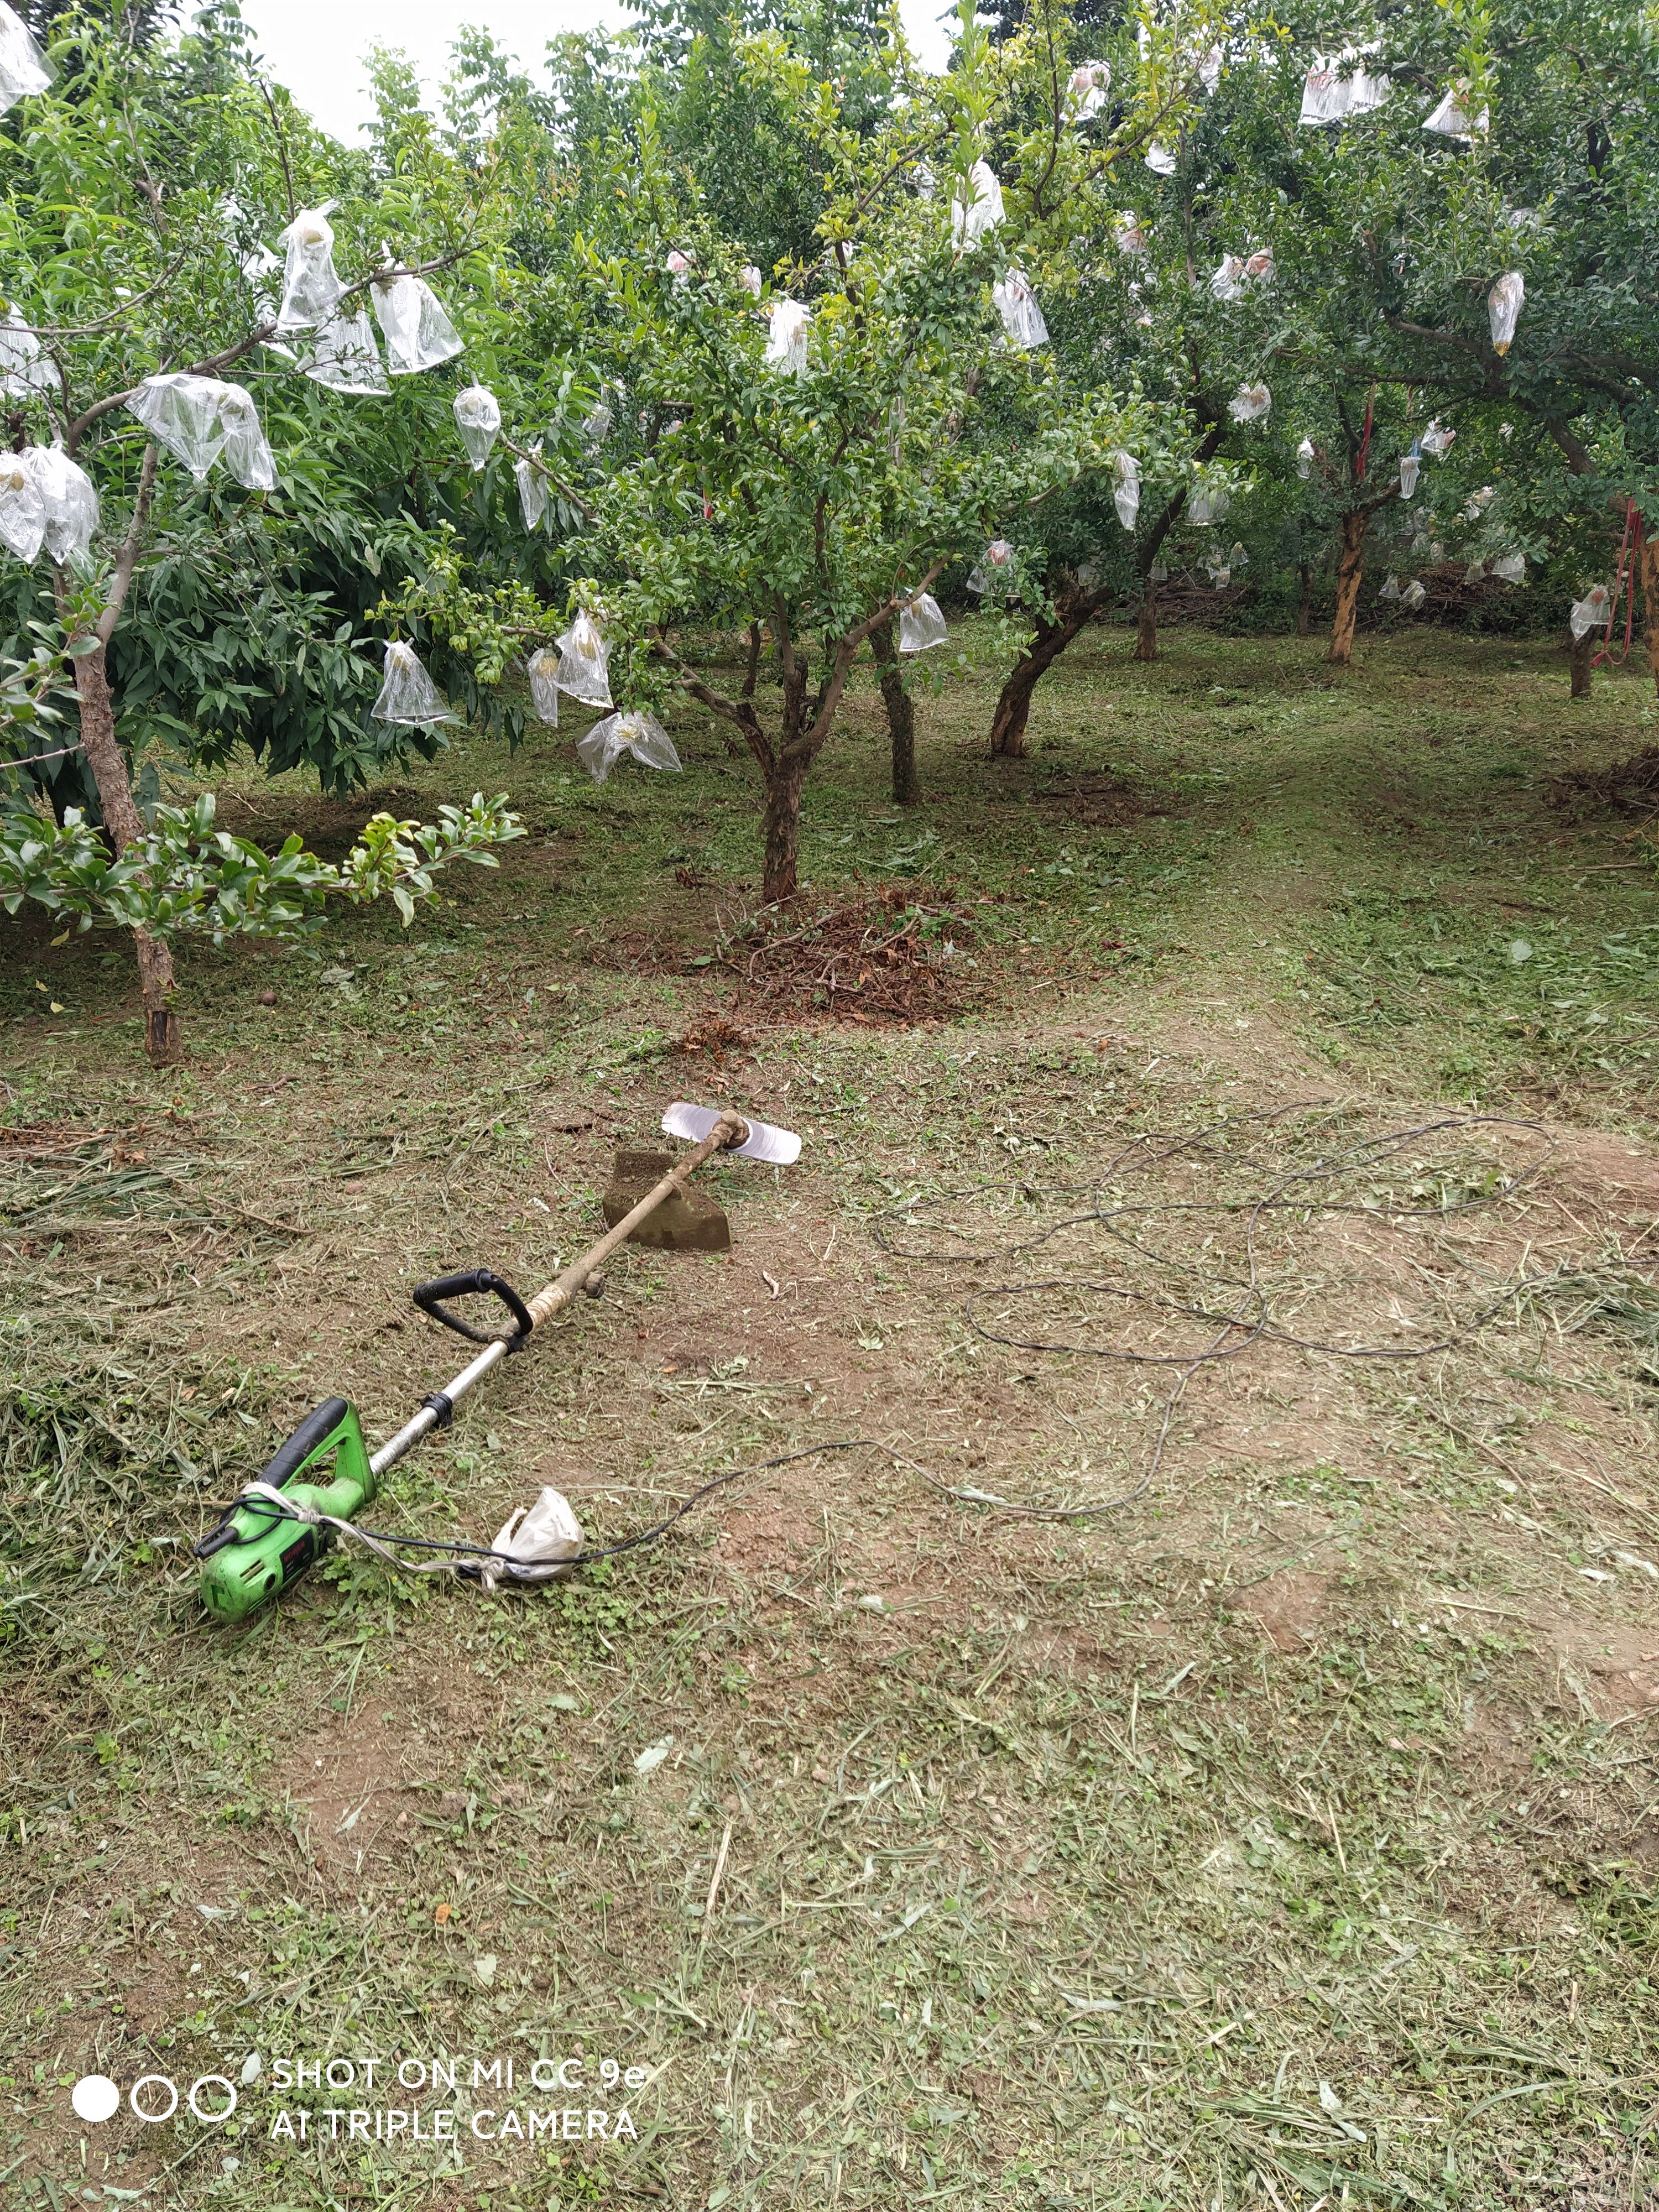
(782,1147)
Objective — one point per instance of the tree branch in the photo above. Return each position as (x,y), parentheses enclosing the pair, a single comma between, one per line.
(127,557)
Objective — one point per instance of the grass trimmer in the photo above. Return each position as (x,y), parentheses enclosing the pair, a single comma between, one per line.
(324,1475)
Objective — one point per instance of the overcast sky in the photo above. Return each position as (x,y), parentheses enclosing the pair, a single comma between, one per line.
(315,46)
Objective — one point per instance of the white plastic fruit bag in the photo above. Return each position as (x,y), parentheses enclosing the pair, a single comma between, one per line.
(1324,92)
(1437,440)
(1126,489)
(1206,504)
(990,575)
(1504,304)
(69,499)
(1510,568)
(1250,403)
(750,279)
(544,670)
(538,1543)
(922,625)
(1160,161)
(1087,89)
(1022,317)
(22,510)
(1259,265)
(532,489)
(181,413)
(1411,467)
(1128,234)
(976,206)
(1452,119)
(419,335)
(23,68)
(584,669)
(1413,595)
(1593,612)
(1228,281)
(1306,454)
(23,367)
(478,419)
(1365,92)
(246,454)
(345,356)
(641,735)
(408,693)
(310,287)
(786,344)
(1390,589)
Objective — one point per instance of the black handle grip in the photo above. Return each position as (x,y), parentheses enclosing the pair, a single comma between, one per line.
(317,1424)
(429,1297)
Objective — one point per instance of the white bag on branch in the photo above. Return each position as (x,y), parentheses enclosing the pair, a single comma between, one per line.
(1160,161)
(197,419)
(1413,595)
(1022,317)
(22,510)
(1593,612)
(977,206)
(1365,92)
(1087,89)
(532,491)
(642,735)
(1128,234)
(1437,440)
(419,335)
(678,266)
(1452,119)
(989,577)
(1250,403)
(23,68)
(1504,304)
(1228,281)
(1510,568)
(584,669)
(69,500)
(1219,571)
(544,670)
(1475,573)
(478,419)
(310,289)
(1411,467)
(537,1543)
(922,625)
(1324,94)
(409,694)
(1259,265)
(785,345)
(750,279)
(1206,504)
(1158,572)
(1306,453)
(1390,589)
(246,454)
(23,367)
(1209,70)
(1126,489)
(345,356)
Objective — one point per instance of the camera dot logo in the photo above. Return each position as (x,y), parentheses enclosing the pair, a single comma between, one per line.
(95,2098)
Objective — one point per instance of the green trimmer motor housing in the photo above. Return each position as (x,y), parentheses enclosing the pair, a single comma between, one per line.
(253,1554)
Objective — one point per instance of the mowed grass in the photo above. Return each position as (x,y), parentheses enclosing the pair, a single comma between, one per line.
(1287,1832)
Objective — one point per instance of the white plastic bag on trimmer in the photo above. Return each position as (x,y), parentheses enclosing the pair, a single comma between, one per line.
(22,510)
(777,1147)
(1022,317)
(1593,612)
(544,670)
(584,669)
(419,335)
(1126,489)
(408,694)
(642,735)
(310,287)
(786,344)
(478,419)
(976,207)
(989,576)
(23,68)
(69,500)
(922,625)
(538,1542)
(1504,304)
(345,356)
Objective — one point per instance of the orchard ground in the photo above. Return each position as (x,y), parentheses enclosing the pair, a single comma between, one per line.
(1287,1833)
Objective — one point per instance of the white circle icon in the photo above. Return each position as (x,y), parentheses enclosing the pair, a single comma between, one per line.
(95,2097)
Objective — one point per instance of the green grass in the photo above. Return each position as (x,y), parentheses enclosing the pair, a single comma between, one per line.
(1288,1834)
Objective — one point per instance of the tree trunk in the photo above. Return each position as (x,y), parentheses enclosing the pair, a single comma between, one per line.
(781,879)
(1647,554)
(1075,609)
(1580,653)
(1349,573)
(124,825)
(901,717)
(1303,599)
(1146,623)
